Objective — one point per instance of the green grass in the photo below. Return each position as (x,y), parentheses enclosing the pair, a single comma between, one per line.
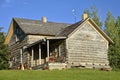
(72,74)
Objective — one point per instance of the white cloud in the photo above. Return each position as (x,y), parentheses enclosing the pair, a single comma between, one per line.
(25,3)
(6,3)
(10,3)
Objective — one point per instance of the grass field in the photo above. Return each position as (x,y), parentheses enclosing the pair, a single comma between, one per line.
(72,74)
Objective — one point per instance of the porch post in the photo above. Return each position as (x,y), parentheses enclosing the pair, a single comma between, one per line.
(21,59)
(39,53)
(32,58)
(48,50)
(59,54)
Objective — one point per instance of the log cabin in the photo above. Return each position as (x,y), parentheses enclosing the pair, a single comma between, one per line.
(40,44)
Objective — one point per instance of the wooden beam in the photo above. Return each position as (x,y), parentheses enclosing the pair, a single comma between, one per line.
(39,53)
(32,56)
(21,57)
(59,54)
(50,38)
(48,50)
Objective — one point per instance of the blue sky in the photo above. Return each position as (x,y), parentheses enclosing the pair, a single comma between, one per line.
(54,10)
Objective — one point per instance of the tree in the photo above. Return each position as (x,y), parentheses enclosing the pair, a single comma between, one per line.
(111,29)
(118,25)
(3,52)
(87,11)
(94,15)
(117,44)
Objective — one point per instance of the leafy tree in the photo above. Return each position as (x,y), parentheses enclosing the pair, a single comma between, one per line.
(3,52)
(94,15)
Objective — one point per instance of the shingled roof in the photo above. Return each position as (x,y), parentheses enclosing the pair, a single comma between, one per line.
(39,27)
(70,29)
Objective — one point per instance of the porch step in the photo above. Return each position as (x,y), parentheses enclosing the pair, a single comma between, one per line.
(59,66)
(40,67)
(50,66)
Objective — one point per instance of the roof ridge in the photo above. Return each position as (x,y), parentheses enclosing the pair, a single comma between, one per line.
(30,26)
(25,19)
(40,20)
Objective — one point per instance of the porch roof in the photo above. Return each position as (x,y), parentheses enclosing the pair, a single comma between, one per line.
(44,40)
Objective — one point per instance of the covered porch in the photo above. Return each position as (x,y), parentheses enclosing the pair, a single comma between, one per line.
(49,50)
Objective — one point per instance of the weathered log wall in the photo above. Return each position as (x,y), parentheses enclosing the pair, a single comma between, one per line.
(15,47)
(15,51)
(87,47)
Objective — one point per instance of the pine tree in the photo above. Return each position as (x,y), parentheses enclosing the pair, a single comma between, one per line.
(117,40)
(87,12)
(118,25)
(94,15)
(111,29)
(3,52)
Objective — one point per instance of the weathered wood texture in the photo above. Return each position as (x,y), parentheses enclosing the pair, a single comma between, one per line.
(34,38)
(87,46)
(57,47)
(10,32)
(16,35)
(15,51)
(62,49)
(59,66)
(19,40)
